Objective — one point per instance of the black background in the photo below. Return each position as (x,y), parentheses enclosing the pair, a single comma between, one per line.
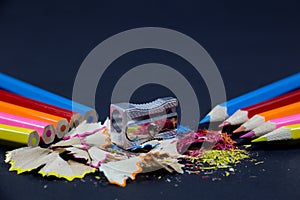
(252,43)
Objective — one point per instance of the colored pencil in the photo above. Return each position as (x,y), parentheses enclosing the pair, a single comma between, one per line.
(260,118)
(45,130)
(291,132)
(74,118)
(222,111)
(59,123)
(244,114)
(30,91)
(19,135)
(272,125)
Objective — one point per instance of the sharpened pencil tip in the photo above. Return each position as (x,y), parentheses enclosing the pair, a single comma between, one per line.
(248,135)
(206,119)
(239,129)
(224,124)
(260,139)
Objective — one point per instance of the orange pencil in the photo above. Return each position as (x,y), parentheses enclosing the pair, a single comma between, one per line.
(260,118)
(60,123)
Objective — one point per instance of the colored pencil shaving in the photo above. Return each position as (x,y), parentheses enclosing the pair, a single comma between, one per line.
(119,171)
(59,123)
(291,132)
(217,159)
(207,139)
(83,129)
(23,136)
(222,111)
(260,118)
(27,159)
(244,114)
(272,125)
(30,91)
(45,130)
(73,118)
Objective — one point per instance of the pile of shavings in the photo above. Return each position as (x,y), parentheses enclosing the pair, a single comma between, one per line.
(215,159)
(87,149)
(217,151)
(207,140)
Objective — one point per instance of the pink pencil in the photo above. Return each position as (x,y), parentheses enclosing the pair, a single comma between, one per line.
(46,131)
(271,125)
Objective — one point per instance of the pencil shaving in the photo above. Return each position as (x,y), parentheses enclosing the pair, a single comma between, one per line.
(65,169)
(167,146)
(27,159)
(118,172)
(66,143)
(155,161)
(98,139)
(98,156)
(79,153)
(84,129)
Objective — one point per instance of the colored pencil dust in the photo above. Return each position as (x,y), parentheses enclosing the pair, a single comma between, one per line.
(222,111)
(30,91)
(73,118)
(59,123)
(260,118)
(23,136)
(45,130)
(245,114)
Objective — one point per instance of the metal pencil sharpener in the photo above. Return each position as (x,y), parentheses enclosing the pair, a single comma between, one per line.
(132,125)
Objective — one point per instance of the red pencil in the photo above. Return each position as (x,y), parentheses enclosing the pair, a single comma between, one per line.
(73,118)
(246,113)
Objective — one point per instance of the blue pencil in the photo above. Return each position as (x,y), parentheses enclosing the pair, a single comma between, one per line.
(222,111)
(30,91)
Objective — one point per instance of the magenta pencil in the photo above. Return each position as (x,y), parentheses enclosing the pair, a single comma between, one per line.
(271,125)
(46,131)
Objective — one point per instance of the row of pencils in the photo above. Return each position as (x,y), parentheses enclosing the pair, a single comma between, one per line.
(30,115)
(270,113)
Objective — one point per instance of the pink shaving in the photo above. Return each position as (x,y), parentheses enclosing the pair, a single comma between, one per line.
(78,157)
(82,135)
(207,139)
(99,162)
(85,146)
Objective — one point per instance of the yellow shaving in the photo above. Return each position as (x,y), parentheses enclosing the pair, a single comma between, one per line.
(69,178)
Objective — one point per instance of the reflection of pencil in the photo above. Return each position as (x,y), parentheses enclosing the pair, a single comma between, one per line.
(60,124)
(291,132)
(45,130)
(73,118)
(222,111)
(244,114)
(30,91)
(19,135)
(260,118)
(272,124)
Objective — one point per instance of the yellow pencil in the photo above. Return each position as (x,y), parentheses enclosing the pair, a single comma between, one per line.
(291,132)
(24,136)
